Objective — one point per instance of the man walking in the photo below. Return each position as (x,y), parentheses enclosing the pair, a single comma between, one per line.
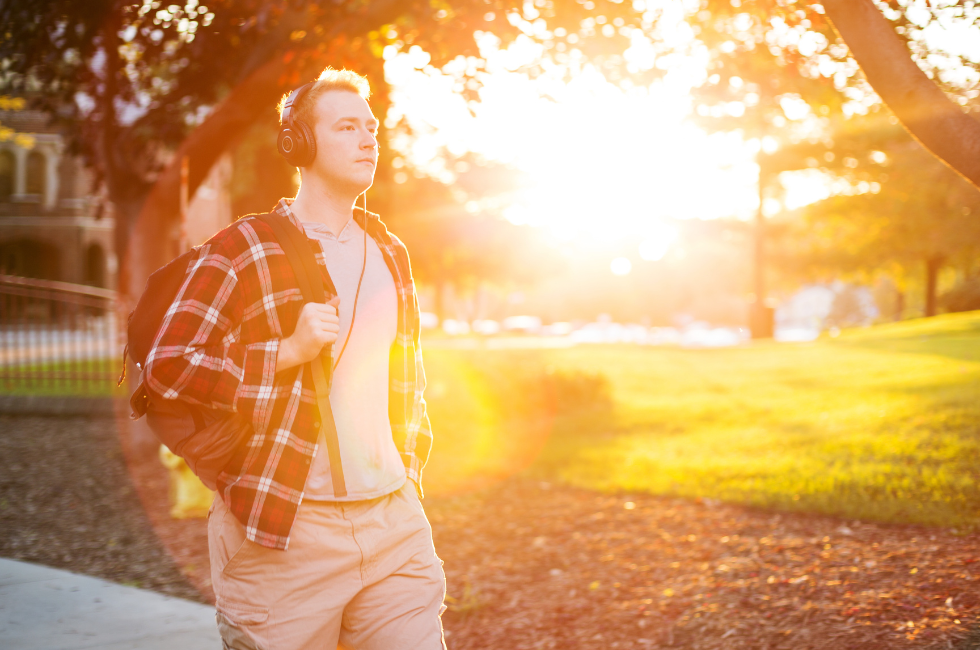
(299,559)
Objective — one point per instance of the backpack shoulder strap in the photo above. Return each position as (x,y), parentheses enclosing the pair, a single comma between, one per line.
(294,244)
(299,255)
(301,258)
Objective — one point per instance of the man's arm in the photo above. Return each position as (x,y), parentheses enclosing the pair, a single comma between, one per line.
(196,356)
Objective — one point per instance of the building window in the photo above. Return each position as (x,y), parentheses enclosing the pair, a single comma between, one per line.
(30,258)
(7,164)
(95,266)
(36,174)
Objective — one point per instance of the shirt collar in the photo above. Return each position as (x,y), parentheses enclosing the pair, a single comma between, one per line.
(283,210)
(350,230)
(372,223)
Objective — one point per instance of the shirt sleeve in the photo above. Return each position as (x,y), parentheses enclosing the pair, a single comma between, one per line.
(197,356)
(419,428)
(418,441)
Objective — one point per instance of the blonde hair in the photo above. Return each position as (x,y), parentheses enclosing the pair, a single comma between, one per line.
(329,79)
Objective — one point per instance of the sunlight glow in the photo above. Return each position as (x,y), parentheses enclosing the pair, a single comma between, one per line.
(804,187)
(659,239)
(620,266)
(599,160)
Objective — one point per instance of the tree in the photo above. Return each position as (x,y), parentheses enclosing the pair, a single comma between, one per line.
(130,82)
(808,36)
(14,105)
(141,86)
(773,57)
(903,209)
(929,115)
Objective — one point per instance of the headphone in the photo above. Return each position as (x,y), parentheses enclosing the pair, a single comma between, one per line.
(296,142)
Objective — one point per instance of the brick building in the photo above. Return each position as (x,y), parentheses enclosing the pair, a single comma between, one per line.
(53,223)
(50,223)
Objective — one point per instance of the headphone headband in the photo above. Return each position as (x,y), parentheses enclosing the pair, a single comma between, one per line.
(294,97)
(296,141)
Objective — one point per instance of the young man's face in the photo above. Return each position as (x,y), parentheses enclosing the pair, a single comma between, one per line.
(346,141)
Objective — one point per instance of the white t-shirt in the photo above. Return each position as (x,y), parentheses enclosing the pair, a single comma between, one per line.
(359,389)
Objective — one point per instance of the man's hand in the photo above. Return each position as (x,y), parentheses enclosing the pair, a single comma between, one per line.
(318,325)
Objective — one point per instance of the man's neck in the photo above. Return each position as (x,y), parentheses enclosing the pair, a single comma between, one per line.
(318,203)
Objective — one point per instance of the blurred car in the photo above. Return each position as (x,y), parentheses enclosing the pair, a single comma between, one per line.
(486,327)
(522,324)
(556,329)
(454,327)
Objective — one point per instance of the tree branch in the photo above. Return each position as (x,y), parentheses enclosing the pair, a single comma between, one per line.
(150,234)
(147,248)
(923,108)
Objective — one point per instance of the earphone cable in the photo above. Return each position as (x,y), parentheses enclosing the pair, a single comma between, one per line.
(358,292)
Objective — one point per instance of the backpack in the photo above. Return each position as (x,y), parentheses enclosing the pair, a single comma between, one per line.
(207,439)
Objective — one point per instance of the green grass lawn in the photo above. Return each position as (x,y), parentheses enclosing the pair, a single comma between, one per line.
(85,378)
(881,423)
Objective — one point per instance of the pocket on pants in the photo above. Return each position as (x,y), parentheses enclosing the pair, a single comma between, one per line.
(237,625)
(243,625)
(242,614)
(230,547)
(239,556)
(414,525)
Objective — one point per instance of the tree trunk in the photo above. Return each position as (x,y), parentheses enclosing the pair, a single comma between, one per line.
(923,108)
(761,317)
(125,185)
(440,301)
(933,265)
(149,237)
(899,305)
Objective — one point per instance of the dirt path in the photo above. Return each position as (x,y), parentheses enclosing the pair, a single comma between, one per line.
(530,565)
(66,501)
(536,566)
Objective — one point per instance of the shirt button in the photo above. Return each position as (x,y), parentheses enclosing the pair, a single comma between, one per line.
(316,425)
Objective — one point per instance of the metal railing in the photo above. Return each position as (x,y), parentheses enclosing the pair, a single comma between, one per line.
(57,338)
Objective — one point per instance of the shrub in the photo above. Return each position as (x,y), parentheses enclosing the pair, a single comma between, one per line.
(576,392)
(963,297)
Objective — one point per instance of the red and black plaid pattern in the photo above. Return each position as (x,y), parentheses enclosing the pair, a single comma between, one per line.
(217,347)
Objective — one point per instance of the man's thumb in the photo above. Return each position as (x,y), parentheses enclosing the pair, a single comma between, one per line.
(334,302)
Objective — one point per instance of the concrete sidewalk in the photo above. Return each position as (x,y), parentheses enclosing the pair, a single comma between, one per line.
(48,609)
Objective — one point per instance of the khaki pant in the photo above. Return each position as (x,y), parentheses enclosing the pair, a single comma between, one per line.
(362,574)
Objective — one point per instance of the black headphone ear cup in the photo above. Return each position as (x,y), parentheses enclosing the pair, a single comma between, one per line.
(309,142)
(296,142)
(291,145)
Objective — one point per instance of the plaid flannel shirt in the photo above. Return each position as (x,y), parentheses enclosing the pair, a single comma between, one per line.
(217,347)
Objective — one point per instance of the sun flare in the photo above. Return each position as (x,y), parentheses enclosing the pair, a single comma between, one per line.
(599,161)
